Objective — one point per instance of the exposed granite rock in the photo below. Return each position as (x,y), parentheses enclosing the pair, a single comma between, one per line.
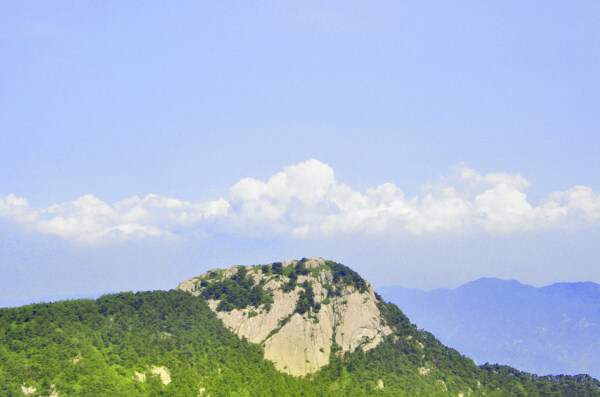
(300,343)
(163,373)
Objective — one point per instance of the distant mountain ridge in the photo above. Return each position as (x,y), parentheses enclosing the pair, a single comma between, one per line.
(552,329)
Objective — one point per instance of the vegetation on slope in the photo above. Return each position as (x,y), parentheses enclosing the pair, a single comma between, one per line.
(240,290)
(236,292)
(94,348)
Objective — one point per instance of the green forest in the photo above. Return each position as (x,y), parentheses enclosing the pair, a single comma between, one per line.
(112,346)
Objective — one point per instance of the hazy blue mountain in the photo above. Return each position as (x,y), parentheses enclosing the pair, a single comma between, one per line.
(554,329)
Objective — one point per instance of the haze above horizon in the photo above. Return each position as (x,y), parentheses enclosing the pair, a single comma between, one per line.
(422,144)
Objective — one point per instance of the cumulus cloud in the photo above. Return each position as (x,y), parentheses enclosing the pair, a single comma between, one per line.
(306,200)
(91,221)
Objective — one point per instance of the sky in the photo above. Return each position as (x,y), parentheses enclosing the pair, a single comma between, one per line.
(423,144)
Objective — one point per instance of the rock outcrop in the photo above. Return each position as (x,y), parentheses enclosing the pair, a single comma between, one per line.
(163,373)
(307,308)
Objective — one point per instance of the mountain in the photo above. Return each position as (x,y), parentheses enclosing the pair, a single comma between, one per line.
(554,329)
(309,327)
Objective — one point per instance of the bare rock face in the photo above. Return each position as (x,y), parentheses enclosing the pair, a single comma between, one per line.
(306,308)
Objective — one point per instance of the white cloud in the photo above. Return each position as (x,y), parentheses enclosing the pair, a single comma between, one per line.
(309,182)
(513,180)
(504,208)
(16,208)
(91,221)
(306,200)
(580,199)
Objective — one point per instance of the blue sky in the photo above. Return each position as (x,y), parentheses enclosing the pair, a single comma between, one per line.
(422,143)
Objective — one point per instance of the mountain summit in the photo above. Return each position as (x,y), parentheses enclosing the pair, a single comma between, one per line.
(297,310)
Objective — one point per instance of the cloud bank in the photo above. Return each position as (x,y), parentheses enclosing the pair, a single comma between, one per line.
(306,200)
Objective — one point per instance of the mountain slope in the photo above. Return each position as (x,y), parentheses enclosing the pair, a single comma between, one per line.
(173,343)
(554,329)
(105,347)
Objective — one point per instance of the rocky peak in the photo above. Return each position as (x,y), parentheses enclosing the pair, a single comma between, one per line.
(299,311)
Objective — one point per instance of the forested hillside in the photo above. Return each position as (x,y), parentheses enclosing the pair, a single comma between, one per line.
(171,343)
